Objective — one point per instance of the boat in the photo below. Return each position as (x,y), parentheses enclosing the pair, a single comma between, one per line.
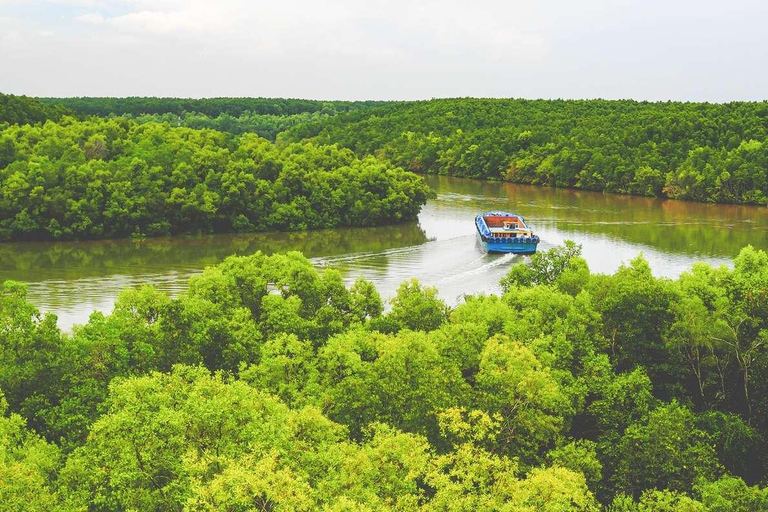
(505,232)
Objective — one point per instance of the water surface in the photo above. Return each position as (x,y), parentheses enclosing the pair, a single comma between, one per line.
(72,279)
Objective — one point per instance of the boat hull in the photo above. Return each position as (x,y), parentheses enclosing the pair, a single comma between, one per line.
(505,233)
(508,245)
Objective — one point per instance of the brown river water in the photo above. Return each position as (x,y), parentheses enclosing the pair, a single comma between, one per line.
(73,279)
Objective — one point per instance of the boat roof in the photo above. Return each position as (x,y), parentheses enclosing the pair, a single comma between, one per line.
(499,213)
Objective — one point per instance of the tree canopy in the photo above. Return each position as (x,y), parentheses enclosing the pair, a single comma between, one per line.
(269,385)
(105,178)
(697,151)
(211,107)
(25,110)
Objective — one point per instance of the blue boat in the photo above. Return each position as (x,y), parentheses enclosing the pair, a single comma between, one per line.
(505,232)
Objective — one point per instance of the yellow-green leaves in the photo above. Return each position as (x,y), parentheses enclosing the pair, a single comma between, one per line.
(515,385)
(27,466)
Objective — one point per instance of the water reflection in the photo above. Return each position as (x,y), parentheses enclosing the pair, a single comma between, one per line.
(35,261)
(73,279)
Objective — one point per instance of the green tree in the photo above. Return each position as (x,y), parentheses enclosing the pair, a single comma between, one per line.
(417,308)
(545,267)
(733,495)
(514,384)
(27,466)
(30,351)
(635,307)
(665,452)
(656,501)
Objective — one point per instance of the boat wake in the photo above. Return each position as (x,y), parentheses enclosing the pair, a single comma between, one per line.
(482,269)
(333,260)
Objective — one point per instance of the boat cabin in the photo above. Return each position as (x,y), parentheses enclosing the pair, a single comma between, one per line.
(506,226)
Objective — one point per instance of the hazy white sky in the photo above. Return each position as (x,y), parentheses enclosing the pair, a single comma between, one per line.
(396,49)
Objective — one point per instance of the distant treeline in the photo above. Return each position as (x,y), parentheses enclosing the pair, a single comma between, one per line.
(697,151)
(264,125)
(263,116)
(25,110)
(211,107)
(105,178)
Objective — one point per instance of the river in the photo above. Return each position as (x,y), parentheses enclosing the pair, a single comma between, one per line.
(73,279)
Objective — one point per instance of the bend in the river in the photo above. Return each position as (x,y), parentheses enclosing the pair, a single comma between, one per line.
(73,279)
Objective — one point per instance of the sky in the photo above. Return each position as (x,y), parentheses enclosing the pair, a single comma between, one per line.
(389,50)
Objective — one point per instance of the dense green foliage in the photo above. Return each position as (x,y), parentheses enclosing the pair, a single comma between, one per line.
(264,125)
(264,116)
(113,177)
(212,107)
(698,151)
(24,110)
(270,386)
